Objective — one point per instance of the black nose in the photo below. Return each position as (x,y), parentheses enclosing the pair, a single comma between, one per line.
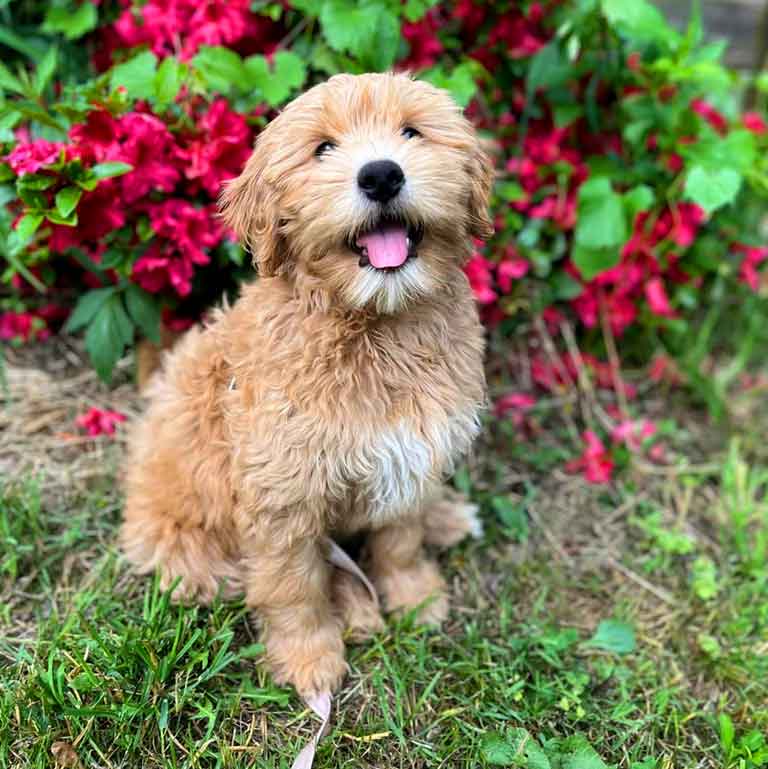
(381,180)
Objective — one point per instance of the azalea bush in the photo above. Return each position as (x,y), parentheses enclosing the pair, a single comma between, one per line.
(629,204)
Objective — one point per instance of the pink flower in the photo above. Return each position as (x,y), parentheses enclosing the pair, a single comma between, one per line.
(99,421)
(710,114)
(182,233)
(633,432)
(511,269)
(19,326)
(30,157)
(514,402)
(424,45)
(754,121)
(754,256)
(664,369)
(595,461)
(219,150)
(99,212)
(478,270)
(657,298)
(148,147)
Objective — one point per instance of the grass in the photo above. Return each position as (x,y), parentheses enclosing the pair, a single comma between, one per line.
(556,655)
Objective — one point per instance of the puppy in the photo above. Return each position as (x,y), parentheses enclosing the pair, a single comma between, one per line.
(336,395)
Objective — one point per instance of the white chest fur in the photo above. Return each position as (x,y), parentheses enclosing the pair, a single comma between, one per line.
(395,469)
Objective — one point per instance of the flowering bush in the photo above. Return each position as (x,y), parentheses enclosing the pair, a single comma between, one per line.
(630,187)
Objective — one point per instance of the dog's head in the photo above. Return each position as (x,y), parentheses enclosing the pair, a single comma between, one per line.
(369,187)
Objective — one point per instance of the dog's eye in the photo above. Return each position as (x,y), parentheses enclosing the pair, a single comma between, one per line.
(321,149)
(410,132)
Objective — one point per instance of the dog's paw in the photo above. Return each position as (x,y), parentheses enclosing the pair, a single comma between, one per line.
(360,615)
(312,664)
(417,587)
(450,520)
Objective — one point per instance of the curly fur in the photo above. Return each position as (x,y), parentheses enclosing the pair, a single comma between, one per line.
(329,399)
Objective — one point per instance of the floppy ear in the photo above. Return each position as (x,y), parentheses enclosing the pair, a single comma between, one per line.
(249,206)
(481,181)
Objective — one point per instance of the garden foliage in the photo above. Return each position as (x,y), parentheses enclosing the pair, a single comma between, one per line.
(630,185)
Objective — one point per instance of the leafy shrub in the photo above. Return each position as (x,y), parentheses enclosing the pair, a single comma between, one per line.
(630,188)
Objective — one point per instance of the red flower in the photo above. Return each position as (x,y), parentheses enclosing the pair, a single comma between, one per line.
(710,114)
(511,269)
(657,298)
(29,157)
(99,421)
(754,256)
(754,121)
(219,150)
(479,272)
(595,461)
(633,432)
(423,42)
(99,212)
(148,147)
(182,232)
(182,26)
(99,136)
(515,406)
(22,326)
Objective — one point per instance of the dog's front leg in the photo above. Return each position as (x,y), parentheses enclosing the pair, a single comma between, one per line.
(406,578)
(289,583)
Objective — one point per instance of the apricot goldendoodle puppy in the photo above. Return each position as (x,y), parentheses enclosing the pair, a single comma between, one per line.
(336,394)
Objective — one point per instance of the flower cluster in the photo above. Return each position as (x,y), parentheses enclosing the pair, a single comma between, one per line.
(622,192)
(97,421)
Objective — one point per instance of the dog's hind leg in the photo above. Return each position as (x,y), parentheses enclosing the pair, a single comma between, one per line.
(204,561)
(450,519)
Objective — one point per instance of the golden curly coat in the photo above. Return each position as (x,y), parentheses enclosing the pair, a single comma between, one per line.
(332,397)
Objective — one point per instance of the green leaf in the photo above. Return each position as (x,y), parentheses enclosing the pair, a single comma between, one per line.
(513,515)
(31,47)
(67,200)
(510,191)
(350,26)
(45,70)
(727,732)
(35,182)
(27,226)
(9,81)
(592,261)
(137,75)
(415,9)
(704,578)
(638,199)
(382,52)
(613,636)
(72,23)
(638,20)
(220,67)
(564,286)
(145,312)
(460,83)
(601,222)
(496,750)
(288,73)
(108,333)
(712,188)
(527,749)
(110,169)
(87,306)
(548,69)
(168,79)
(70,220)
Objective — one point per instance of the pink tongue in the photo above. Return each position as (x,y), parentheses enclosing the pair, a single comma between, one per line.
(387,247)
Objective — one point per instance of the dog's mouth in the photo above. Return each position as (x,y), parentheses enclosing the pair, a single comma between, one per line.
(388,245)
